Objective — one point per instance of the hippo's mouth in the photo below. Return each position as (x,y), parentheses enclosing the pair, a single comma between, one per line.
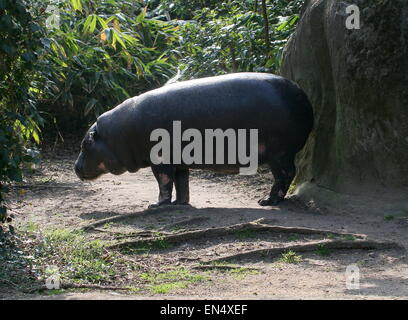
(90,177)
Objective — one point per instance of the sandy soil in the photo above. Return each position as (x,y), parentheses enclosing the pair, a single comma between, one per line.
(54,197)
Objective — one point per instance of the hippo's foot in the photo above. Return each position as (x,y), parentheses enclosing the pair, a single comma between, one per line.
(270,201)
(159,204)
(180,203)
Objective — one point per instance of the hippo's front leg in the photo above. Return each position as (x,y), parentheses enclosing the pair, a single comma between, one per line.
(164,175)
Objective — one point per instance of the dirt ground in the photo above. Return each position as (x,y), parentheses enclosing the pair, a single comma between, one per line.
(55,198)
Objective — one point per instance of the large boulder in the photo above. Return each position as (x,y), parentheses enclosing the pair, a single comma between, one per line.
(357,82)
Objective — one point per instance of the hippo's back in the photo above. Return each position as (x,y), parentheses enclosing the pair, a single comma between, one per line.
(272,104)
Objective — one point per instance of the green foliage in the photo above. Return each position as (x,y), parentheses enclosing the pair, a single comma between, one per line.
(164,282)
(322,250)
(158,243)
(181,9)
(242,272)
(290,257)
(103,52)
(350,237)
(19,119)
(245,234)
(388,217)
(230,37)
(15,262)
(31,255)
(76,257)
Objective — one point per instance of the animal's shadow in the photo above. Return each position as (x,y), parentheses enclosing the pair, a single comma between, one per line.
(211,216)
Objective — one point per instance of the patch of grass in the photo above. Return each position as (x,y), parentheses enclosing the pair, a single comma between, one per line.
(16,262)
(389,217)
(33,256)
(143,249)
(177,228)
(133,289)
(330,236)
(164,282)
(361,263)
(174,274)
(167,287)
(107,225)
(323,250)
(238,272)
(350,237)
(242,272)
(216,263)
(30,227)
(76,257)
(46,180)
(290,257)
(294,237)
(160,242)
(245,234)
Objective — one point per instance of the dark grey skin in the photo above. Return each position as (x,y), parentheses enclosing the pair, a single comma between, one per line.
(119,141)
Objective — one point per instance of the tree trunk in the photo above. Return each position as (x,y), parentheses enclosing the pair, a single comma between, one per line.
(266,26)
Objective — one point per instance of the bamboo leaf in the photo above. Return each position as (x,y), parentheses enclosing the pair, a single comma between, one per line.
(117,37)
(102,22)
(89,106)
(90,24)
(76,5)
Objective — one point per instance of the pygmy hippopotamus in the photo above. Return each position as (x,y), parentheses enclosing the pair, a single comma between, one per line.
(123,139)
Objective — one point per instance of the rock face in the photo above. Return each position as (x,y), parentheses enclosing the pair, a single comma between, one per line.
(357,82)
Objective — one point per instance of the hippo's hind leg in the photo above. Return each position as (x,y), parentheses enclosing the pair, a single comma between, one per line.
(181,182)
(284,170)
(164,175)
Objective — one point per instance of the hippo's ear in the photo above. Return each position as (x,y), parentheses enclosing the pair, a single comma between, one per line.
(90,138)
(103,125)
(93,135)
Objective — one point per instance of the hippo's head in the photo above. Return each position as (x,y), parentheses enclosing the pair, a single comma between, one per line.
(96,158)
